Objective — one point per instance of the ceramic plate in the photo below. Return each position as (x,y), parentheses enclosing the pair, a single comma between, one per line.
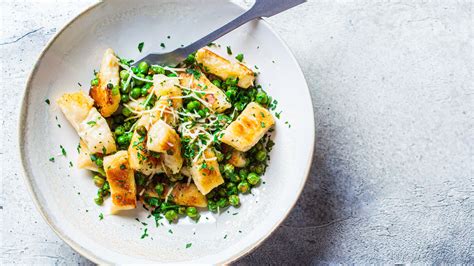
(64,194)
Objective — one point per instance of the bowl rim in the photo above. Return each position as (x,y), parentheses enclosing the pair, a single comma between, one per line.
(72,243)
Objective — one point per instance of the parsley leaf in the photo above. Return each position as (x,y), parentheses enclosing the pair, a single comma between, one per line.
(229,51)
(145,233)
(63,151)
(140,46)
(240,57)
(196,73)
(47,101)
(188,245)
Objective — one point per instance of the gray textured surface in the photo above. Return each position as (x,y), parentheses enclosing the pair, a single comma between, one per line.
(392,175)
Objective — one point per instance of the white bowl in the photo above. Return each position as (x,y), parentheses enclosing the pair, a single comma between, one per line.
(64,195)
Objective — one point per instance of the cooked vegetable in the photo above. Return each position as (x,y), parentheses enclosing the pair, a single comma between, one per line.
(183,142)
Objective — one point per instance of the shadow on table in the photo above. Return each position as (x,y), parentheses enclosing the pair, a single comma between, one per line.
(308,234)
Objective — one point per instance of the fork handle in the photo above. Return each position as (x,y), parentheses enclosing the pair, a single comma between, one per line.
(261,8)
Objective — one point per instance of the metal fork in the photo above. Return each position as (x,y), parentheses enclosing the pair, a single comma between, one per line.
(261,8)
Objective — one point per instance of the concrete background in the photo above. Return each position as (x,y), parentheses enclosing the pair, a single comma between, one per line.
(392,175)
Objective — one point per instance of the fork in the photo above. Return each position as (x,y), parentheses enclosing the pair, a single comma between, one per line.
(261,8)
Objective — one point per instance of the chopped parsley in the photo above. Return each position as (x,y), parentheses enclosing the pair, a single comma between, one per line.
(195,73)
(47,101)
(92,123)
(170,231)
(63,151)
(140,46)
(240,57)
(51,159)
(188,245)
(101,216)
(145,233)
(277,114)
(162,45)
(229,50)
(70,164)
(225,237)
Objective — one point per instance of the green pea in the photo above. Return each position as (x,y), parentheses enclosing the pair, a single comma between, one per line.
(181,210)
(119,130)
(141,130)
(135,93)
(153,201)
(192,212)
(259,146)
(243,187)
(193,105)
(221,192)
(234,200)
(144,91)
(244,99)
(122,140)
(261,97)
(240,106)
(99,200)
(259,169)
(98,180)
(261,155)
(232,189)
(253,179)
(94,82)
(127,125)
(126,112)
(217,83)
(123,88)
(124,74)
(231,81)
(243,173)
(171,215)
(228,169)
(99,162)
(106,187)
(231,93)
(222,203)
(158,69)
(125,98)
(212,206)
(135,70)
(219,155)
(129,136)
(143,67)
(159,189)
(139,82)
(201,113)
(235,178)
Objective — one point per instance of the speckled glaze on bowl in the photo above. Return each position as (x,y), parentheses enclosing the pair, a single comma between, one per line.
(64,195)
